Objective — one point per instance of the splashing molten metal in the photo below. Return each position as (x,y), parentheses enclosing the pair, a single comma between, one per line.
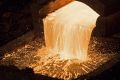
(68,30)
(67,34)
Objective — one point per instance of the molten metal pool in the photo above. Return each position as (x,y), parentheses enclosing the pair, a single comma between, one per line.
(36,56)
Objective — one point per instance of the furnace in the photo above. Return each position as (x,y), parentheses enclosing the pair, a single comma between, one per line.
(67,50)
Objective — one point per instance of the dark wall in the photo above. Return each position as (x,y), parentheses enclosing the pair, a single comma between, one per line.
(108,24)
(109,20)
(111,6)
(15,19)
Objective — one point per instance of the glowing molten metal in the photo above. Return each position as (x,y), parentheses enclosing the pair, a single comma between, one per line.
(68,30)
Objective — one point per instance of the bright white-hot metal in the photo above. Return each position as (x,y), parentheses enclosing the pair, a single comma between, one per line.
(68,30)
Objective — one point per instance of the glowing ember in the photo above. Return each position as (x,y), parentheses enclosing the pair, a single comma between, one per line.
(68,30)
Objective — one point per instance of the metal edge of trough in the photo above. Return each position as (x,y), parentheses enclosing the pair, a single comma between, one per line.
(27,37)
(110,63)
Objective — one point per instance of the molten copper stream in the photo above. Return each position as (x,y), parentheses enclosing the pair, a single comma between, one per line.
(68,30)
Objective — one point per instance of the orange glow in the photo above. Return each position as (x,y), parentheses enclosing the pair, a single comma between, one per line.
(68,30)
